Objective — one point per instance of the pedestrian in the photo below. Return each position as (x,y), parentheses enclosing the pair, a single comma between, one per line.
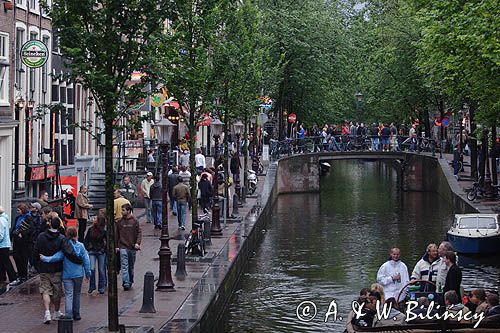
(145,186)
(200,161)
(172,181)
(235,166)
(129,190)
(393,276)
(413,137)
(49,243)
(156,195)
(182,197)
(39,226)
(185,175)
(374,137)
(184,158)
(72,275)
(454,276)
(82,212)
(118,203)
(95,243)
(129,236)
(5,244)
(385,137)
(151,158)
(394,137)
(43,199)
(22,242)
(206,191)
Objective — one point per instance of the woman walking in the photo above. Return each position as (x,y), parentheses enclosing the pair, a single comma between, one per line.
(72,275)
(22,242)
(95,243)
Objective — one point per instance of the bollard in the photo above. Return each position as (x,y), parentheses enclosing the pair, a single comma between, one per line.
(235,206)
(207,235)
(243,194)
(148,296)
(180,273)
(65,325)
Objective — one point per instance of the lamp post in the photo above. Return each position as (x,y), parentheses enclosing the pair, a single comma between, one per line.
(216,128)
(19,106)
(164,128)
(237,129)
(359,99)
(29,110)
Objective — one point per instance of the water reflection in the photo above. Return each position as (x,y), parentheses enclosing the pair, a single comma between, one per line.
(328,246)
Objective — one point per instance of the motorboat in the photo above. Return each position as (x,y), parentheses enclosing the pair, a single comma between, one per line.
(324,168)
(475,233)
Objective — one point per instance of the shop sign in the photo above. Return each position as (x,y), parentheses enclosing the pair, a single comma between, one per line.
(34,53)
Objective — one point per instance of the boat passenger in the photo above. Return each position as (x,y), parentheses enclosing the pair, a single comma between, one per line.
(395,316)
(422,312)
(426,268)
(378,287)
(494,310)
(454,306)
(393,276)
(441,266)
(368,312)
(454,276)
(477,302)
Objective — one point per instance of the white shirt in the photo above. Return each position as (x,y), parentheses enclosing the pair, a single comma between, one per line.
(384,277)
(200,161)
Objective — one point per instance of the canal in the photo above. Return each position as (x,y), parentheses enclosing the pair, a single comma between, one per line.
(327,246)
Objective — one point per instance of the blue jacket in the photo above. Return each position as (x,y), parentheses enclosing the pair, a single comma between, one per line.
(70,269)
(4,231)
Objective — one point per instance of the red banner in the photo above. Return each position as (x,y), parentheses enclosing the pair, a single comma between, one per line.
(38,172)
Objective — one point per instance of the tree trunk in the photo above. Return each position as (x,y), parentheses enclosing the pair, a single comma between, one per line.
(192,165)
(472,143)
(110,224)
(226,171)
(494,176)
(245,150)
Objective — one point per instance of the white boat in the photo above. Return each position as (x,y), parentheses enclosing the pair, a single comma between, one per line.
(475,233)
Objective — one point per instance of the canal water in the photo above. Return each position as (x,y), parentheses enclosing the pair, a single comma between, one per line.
(324,247)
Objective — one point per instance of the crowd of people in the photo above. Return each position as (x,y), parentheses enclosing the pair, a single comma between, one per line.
(439,279)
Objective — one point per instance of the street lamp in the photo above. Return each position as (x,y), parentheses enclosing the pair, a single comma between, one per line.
(237,130)
(359,96)
(19,106)
(216,128)
(29,110)
(164,129)
(359,100)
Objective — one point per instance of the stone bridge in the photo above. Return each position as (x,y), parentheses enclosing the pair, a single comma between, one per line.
(416,172)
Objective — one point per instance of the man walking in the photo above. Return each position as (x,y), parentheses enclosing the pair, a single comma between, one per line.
(200,162)
(393,276)
(49,243)
(129,190)
(145,187)
(182,197)
(82,212)
(156,195)
(129,237)
(172,181)
(5,244)
(118,203)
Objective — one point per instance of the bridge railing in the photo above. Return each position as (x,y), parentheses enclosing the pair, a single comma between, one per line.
(343,143)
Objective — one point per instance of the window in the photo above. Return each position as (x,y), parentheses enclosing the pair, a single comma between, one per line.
(20,35)
(45,74)
(21,3)
(62,95)
(4,73)
(55,93)
(33,4)
(4,47)
(70,96)
(478,223)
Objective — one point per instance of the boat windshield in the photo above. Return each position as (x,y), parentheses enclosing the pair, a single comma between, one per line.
(478,223)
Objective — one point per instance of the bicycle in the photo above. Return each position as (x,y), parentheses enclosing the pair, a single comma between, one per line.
(475,190)
(195,242)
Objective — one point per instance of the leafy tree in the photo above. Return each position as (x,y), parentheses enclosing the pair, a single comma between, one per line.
(106,40)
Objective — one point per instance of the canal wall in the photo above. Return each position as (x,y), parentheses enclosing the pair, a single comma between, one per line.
(294,174)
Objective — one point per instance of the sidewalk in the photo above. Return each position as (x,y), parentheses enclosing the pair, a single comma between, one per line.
(465,182)
(21,309)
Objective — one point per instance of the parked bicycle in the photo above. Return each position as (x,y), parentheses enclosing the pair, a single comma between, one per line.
(195,242)
(475,190)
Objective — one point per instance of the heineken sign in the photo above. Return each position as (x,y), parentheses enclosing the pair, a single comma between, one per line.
(34,53)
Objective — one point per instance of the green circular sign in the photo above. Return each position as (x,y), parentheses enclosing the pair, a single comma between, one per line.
(34,53)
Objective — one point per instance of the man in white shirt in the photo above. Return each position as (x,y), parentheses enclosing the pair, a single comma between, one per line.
(393,276)
(145,186)
(200,162)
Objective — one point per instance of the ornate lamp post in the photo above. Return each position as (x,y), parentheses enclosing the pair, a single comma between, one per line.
(237,129)
(359,100)
(19,106)
(164,129)
(216,128)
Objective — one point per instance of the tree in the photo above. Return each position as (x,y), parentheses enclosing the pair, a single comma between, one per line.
(106,40)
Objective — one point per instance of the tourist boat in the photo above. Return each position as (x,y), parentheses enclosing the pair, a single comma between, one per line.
(475,233)
(485,327)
